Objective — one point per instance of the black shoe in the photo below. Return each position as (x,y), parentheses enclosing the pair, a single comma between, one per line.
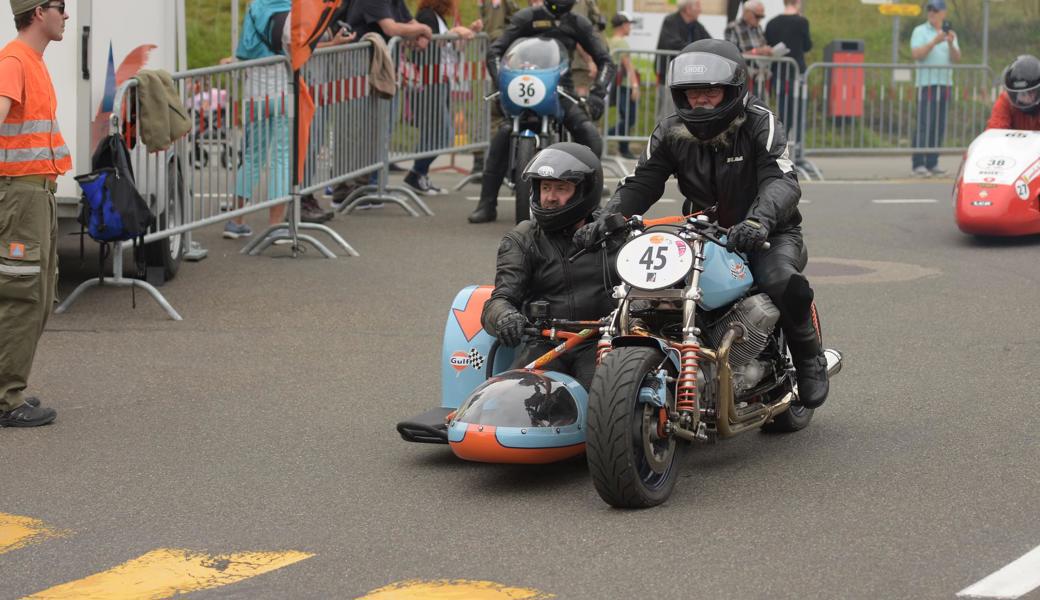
(311,211)
(627,155)
(484,213)
(421,184)
(27,415)
(813,382)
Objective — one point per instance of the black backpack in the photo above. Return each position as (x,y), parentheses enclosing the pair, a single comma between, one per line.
(111,209)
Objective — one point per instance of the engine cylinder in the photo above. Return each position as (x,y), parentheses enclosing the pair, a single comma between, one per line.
(757,316)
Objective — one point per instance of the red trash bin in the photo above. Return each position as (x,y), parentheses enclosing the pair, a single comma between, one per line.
(845,85)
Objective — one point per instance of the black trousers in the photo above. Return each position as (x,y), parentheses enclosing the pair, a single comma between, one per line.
(778,273)
(575,120)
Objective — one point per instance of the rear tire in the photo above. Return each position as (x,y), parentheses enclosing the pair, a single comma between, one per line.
(525,151)
(168,252)
(631,466)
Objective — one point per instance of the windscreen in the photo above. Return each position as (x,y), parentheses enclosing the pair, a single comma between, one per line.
(520,399)
(534,54)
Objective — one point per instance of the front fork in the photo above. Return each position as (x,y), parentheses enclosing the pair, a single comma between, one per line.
(686,401)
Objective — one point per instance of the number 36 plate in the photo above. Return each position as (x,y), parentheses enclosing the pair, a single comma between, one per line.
(654,261)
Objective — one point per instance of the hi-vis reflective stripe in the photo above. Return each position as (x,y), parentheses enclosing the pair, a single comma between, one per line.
(26,127)
(23,155)
(15,271)
(17,531)
(166,573)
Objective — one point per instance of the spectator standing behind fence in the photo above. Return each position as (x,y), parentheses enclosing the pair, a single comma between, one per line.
(678,30)
(932,43)
(792,30)
(267,145)
(1018,106)
(435,127)
(583,68)
(627,90)
(34,155)
(388,18)
(746,32)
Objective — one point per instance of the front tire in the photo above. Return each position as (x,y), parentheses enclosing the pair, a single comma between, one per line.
(632,466)
(525,151)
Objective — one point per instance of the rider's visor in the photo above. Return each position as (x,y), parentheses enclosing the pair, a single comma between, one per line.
(1024,98)
(702,69)
(552,163)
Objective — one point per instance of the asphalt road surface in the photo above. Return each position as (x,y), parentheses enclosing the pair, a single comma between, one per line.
(249,451)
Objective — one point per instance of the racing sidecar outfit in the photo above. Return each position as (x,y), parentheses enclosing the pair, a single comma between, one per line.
(533,264)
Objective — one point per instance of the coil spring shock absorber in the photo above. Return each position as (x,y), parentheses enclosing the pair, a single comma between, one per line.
(686,399)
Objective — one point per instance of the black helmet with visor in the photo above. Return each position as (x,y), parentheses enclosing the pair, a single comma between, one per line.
(1022,82)
(565,161)
(709,64)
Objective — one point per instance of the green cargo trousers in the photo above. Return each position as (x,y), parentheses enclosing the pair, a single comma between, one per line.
(28,277)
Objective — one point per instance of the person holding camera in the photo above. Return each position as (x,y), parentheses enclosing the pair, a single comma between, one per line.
(933,43)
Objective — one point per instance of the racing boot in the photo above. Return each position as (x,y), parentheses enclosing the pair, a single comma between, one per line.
(801,325)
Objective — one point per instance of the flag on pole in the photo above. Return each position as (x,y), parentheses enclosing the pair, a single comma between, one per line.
(310,18)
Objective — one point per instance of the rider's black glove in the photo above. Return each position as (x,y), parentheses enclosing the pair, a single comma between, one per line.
(510,328)
(594,105)
(746,236)
(589,235)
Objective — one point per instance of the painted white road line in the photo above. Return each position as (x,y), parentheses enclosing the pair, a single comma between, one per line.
(1015,580)
(905,201)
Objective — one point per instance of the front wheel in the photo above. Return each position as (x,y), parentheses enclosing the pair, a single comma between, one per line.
(525,151)
(633,465)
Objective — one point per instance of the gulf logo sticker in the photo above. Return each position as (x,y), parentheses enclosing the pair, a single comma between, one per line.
(459,361)
(656,239)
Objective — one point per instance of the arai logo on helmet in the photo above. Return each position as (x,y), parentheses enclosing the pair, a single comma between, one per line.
(695,69)
(546,171)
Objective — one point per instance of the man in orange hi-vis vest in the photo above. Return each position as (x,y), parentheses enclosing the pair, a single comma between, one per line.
(32,156)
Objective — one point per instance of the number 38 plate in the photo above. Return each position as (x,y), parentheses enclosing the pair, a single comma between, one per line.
(654,261)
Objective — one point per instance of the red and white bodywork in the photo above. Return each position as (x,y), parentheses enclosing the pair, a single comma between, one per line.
(998,189)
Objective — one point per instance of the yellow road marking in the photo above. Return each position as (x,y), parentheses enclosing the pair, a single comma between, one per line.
(165,573)
(16,531)
(453,589)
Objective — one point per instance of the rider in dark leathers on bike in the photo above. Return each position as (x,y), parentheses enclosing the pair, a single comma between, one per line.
(551,20)
(533,261)
(729,150)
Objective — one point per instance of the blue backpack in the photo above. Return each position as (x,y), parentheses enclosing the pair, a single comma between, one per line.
(112,210)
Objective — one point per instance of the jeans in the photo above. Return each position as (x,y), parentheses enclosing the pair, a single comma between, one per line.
(626,109)
(932,106)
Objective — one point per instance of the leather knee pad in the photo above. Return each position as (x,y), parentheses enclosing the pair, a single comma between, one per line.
(797,297)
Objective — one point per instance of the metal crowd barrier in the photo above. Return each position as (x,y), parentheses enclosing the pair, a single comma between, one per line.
(874,108)
(442,108)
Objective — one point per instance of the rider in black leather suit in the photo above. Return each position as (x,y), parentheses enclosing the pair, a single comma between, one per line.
(551,20)
(533,261)
(731,151)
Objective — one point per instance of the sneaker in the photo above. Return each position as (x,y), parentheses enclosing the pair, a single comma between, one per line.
(32,401)
(921,171)
(233,231)
(27,415)
(311,211)
(937,172)
(421,184)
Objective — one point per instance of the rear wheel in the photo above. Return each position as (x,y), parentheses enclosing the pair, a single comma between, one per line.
(632,464)
(168,252)
(525,151)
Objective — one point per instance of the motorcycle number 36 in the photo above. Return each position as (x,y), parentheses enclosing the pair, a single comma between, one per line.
(654,261)
(526,91)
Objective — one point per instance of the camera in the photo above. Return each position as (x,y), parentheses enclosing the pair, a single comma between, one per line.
(946,27)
